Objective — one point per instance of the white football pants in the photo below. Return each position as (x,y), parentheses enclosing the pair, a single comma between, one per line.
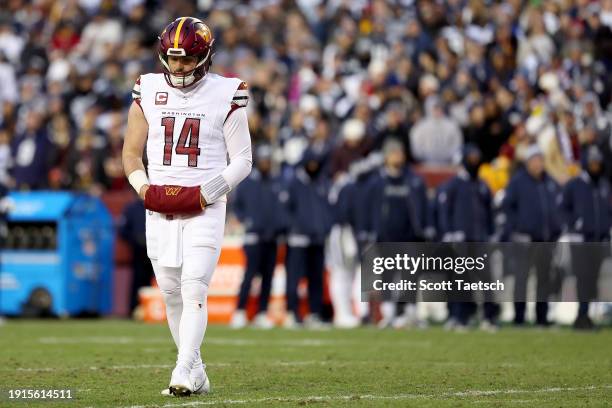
(343,263)
(184,252)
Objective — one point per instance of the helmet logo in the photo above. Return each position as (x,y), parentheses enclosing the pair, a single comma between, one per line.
(204,32)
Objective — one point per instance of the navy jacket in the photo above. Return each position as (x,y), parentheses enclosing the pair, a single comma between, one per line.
(257,204)
(353,208)
(464,210)
(586,208)
(132,224)
(308,210)
(38,157)
(398,207)
(531,207)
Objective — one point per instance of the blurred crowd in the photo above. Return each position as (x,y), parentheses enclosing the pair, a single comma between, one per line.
(432,75)
(340,90)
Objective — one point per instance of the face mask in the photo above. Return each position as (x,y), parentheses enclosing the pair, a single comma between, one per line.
(179,80)
(182,81)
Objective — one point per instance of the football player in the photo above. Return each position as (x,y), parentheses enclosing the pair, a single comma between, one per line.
(190,121)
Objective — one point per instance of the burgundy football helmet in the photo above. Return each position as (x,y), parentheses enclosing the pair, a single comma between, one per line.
(186,36)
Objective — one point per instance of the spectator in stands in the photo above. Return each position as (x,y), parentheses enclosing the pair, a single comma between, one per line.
(596,129)
(112,164)
(87,155)
(354,146)
(101,35)
(65,37)
(5,159)
(321,144)
(536,47)
(32,152)
(9,94)
(435,139)
(4,208)
(487,128)
(12,42)
(394,126)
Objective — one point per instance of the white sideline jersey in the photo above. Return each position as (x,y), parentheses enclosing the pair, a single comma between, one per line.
(185,143)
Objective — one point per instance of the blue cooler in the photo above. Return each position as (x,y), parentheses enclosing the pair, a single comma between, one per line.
(58,255)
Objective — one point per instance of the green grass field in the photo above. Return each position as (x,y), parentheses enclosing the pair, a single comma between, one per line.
(111,363)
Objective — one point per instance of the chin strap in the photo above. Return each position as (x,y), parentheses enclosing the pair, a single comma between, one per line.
(183,80)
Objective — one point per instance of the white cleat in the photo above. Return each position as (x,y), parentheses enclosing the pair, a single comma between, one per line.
(239,320)
(346,322)
(180,384)
(290,322)
(488,326)
(200,384)
(384,323)
(402,321)
(262,321)
(314,322)
(408,321)
(450,324)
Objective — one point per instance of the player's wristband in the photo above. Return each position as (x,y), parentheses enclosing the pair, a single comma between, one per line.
(138,179)
(173,199)
(214,189)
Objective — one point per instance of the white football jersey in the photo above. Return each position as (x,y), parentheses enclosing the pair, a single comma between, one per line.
(185,143)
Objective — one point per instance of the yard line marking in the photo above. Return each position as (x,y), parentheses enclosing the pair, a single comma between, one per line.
(476,393)
(222,341)
(469,393)
(143,366)
(102,340)
(213,340)
(129,366)
(92,368)
(30,369)
(309,342)
(280,363)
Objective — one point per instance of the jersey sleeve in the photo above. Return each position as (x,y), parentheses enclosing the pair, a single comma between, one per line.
(238,143)
(136,91)
(240,99)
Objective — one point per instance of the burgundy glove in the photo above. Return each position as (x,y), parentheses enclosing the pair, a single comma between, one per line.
(173,199)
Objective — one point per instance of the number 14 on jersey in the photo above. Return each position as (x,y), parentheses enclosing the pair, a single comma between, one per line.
(187,142)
